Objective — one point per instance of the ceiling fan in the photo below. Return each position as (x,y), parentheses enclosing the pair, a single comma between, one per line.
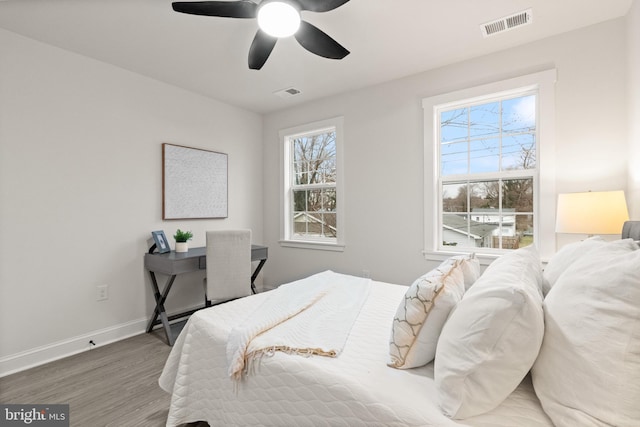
(276,18)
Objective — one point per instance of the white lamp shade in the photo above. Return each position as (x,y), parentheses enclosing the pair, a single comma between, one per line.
(598,212)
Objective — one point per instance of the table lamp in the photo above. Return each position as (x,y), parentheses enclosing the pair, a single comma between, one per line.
(597,212)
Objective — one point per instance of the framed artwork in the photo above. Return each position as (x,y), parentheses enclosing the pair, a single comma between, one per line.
(194,183)
(162,244)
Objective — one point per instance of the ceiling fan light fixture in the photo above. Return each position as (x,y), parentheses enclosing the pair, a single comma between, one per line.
(278,19)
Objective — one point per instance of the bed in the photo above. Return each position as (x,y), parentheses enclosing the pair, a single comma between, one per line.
(368,383)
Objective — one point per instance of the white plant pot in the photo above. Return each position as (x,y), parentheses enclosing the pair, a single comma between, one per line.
(182,247)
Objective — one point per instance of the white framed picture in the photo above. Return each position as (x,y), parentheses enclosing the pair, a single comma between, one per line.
(194,183)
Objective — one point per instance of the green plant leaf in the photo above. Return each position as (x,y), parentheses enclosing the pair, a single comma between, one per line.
(182,236)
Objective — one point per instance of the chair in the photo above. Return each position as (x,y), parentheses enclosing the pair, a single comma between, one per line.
(228,265)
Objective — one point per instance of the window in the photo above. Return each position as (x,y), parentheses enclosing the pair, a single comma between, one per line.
(488,171)
(491,152)
(312,188)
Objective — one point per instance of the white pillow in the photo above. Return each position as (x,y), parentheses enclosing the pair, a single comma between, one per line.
(424,310)
(492,337)
(566,256)
(470,268)
(588,370)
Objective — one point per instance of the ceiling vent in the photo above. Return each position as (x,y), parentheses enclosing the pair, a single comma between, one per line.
(287,93)
(507,23)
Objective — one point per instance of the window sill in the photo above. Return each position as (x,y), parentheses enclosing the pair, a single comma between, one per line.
(323,246)
(485,259)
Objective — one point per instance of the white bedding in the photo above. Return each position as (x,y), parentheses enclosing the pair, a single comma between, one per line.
(357,388)
(309,316)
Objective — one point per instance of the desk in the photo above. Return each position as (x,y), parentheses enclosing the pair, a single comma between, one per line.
(172,264)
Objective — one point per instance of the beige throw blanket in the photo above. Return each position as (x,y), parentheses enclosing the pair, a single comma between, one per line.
(310,316)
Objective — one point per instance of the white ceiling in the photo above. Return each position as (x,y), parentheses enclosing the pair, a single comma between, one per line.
(208,55)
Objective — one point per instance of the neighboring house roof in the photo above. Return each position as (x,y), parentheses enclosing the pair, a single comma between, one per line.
(306,217)
(492,210)
(458,224)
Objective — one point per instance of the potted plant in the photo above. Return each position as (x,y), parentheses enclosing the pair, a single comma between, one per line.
(181,240)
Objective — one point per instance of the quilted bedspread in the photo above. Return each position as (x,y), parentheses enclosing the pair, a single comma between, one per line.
(357,388)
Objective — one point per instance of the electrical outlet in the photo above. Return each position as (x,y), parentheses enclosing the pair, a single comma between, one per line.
(103,293)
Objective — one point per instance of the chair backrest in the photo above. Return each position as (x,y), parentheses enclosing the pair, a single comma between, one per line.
(228,264)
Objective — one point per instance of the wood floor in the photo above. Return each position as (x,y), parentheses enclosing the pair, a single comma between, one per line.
(114,385)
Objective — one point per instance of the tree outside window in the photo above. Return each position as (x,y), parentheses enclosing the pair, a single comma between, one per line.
(314,185)
(312,198)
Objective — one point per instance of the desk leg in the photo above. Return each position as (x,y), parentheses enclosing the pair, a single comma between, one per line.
(255,275)
(159,310)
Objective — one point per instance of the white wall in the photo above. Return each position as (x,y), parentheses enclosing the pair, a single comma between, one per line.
(633,53)
(384,148)
(80,192)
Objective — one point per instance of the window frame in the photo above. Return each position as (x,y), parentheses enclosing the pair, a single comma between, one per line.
(287,237)
(544,179)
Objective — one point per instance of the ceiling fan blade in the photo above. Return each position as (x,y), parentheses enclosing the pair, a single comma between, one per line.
(317,41)
(320,5)
(225,9)
(260,49)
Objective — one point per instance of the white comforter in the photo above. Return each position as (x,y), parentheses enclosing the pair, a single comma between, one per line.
(357,388)
(312,316)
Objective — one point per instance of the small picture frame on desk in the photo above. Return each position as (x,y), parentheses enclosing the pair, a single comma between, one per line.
(162,244)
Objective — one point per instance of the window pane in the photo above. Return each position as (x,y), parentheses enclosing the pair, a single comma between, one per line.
(314,201)
(326,171)
(317,200)
(321,200)
(517,195)
(300,150)
(454,158)
(299,225)
(299,200)
(484,120)
(519,114)
(515,232)
(329,200)
(454,125)
(454,197)
(455,231)
(301,174)
(323,146)
(315,212)
(329,225)
(519,152)
(464,231)
(315,224)
(524,229)
(484,156)
(307,224)
(314,158)
(507,228)
(484,195)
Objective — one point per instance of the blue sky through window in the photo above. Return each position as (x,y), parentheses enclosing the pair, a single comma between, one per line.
(489,137)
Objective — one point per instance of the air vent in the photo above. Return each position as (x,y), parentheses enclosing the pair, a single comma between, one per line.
(507,23)
(287,93)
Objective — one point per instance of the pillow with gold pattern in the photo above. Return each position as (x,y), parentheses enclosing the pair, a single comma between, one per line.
(424,310)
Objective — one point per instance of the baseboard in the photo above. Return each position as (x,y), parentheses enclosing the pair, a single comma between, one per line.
(58,350)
